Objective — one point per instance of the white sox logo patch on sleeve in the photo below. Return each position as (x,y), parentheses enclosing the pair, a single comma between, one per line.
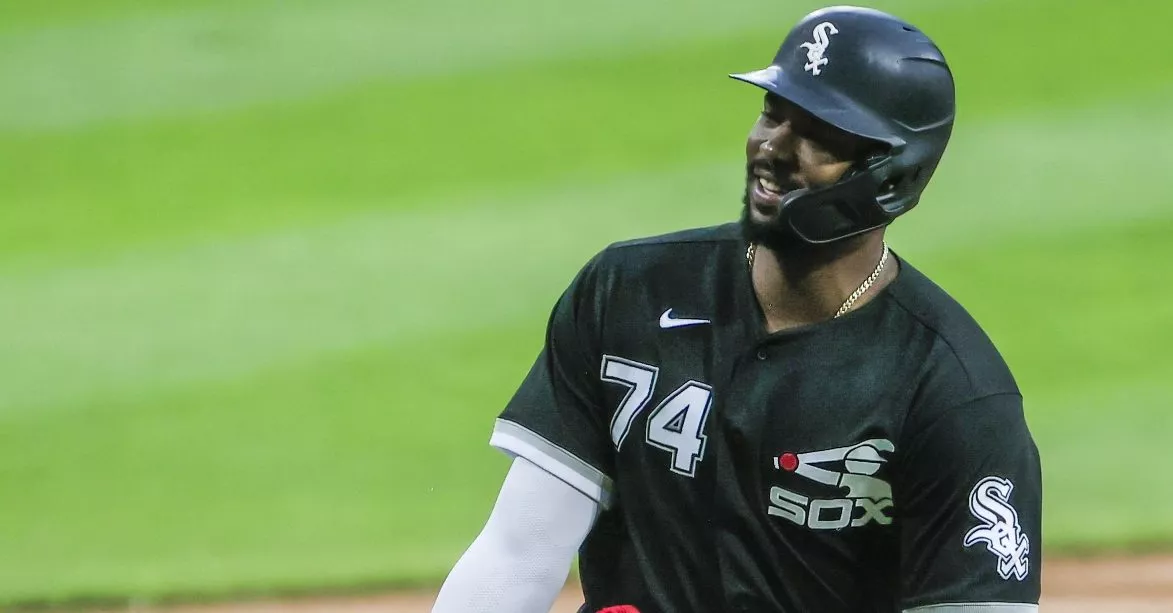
(866,499)
(989,501)
(816,50)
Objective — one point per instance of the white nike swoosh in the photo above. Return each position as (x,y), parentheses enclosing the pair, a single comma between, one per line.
(666,321)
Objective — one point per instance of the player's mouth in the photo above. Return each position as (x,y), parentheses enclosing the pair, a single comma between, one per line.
(766,192)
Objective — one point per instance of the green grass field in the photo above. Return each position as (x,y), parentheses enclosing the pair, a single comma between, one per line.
(268,270)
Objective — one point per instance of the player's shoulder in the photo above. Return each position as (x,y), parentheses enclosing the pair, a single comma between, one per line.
(965,360)
(648,254)
(726,232)
(638,255)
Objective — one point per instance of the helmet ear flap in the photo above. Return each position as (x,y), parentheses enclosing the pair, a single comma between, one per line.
(874,158)
(866,164)
(870,164)
(896,181)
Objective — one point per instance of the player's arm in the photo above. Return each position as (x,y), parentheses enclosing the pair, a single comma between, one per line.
(558,432)
(969,506)
(522,557)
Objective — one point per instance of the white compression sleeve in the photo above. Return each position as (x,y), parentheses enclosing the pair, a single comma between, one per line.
(522,557)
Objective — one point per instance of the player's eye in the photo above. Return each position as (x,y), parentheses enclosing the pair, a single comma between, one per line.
(817,154)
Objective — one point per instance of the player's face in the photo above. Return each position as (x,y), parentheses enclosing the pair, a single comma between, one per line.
(790,149)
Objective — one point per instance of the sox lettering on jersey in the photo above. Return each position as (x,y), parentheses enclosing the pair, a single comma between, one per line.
(989,501)
(866,494)
(815,50)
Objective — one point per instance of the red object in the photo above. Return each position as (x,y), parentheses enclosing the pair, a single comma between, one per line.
(623,608)
(788,462)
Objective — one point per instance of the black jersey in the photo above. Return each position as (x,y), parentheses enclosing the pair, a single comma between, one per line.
(875,462)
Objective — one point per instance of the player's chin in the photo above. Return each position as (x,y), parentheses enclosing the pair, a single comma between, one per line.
(770,231)
(760,224)
(763,215)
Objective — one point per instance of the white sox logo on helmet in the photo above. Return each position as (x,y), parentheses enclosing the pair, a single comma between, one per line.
(815,50)
(989,501)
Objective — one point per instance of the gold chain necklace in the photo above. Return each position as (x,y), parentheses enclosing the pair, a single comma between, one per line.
(752,251)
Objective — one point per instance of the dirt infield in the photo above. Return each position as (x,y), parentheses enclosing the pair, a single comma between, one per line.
(1142,584)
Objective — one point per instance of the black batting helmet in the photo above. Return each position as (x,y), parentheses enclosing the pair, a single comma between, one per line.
(878,77)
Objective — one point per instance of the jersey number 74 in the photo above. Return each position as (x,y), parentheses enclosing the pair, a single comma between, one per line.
(676,425)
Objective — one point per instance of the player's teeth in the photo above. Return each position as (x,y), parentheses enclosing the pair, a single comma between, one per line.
(770,185)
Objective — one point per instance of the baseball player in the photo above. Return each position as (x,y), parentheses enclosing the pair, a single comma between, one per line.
(779,414)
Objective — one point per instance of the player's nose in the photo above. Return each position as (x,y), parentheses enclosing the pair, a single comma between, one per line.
(778,142)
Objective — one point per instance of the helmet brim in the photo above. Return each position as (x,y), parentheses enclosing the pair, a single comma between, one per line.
(824,103)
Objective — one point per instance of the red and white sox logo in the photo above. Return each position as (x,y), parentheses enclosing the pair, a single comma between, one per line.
(866,499)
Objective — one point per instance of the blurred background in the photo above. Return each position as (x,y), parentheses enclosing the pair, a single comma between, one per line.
(269,269)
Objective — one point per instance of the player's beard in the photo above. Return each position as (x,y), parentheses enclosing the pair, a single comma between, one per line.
(777,236)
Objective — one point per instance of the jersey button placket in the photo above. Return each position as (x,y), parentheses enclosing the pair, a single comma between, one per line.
(763,355)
